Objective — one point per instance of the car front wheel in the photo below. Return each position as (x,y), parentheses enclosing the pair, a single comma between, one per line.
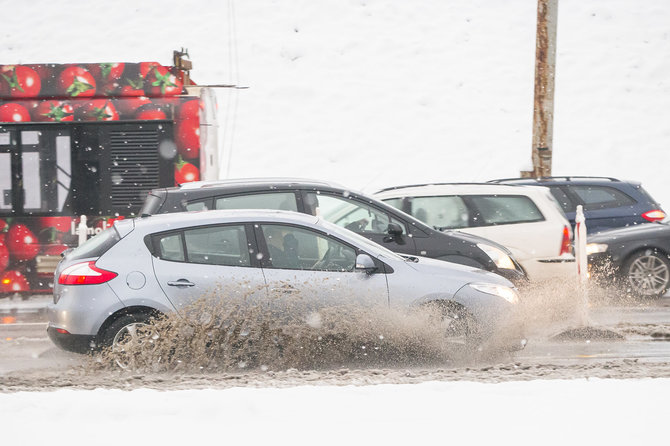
(647,274)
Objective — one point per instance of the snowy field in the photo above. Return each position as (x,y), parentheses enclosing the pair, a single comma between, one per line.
(555,412)
(373,93)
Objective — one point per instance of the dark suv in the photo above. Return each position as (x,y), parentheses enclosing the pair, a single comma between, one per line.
(359,213)
(608,203)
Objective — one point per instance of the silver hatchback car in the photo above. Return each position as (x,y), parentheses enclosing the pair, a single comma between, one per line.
(160,264)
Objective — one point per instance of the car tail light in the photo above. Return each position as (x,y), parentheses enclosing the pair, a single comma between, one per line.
(565,243)
(655,215)
(85,273)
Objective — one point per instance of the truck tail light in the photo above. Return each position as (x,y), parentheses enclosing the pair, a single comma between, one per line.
(565,243)
(654,215)
(85,273)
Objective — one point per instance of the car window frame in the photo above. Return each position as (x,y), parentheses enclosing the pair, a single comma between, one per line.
(479,223)
(295,193)
(265,253)
(578,199)
(362,203)
(152,241)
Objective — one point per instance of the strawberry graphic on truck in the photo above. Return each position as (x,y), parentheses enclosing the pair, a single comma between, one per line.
(91,139)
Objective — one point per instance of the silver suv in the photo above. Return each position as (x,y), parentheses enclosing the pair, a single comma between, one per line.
(160,264)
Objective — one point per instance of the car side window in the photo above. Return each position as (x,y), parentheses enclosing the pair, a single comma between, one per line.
(446,212)
(217,245)
(290,247)
(284,201)
(504,209)
(170,247)
(200,205)
(601,197)
(352,214)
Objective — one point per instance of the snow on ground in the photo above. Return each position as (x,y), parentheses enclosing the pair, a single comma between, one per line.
(372,93)
(555,412)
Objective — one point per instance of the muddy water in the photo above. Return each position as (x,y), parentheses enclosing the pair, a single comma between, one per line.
(239,345)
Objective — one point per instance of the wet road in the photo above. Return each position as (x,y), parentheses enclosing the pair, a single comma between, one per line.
(24,344)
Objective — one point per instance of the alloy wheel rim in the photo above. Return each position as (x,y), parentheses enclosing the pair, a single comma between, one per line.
(129,343)
(649,275)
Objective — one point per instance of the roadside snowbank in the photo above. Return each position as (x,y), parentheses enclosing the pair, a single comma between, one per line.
(557,412)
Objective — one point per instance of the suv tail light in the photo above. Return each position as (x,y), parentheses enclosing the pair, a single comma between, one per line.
(565,243)
(655,215)
(85,273)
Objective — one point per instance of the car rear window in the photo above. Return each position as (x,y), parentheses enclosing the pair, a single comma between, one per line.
(601,197)
(503,209)
(96,246)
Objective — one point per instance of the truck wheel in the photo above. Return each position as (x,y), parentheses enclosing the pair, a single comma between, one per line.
(647,274)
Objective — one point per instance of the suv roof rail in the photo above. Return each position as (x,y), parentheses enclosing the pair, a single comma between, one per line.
(566,178)
(267,180)
(406,186)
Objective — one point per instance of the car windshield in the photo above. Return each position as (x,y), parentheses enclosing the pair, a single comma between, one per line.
(361,241)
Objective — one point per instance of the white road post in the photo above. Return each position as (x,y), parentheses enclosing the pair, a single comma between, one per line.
(581,259)
(82,230)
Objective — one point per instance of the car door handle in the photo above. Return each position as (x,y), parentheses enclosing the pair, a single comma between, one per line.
(286,289)
(181,282)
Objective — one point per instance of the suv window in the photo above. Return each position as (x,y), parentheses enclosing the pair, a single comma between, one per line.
(566,204)
(352,214)
(297,248)
(446,212)
(601,197)
(284,201)
(504,209)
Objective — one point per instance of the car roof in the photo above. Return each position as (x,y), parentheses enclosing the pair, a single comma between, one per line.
(201,218)
(460,189)
(564,180)
(246,182)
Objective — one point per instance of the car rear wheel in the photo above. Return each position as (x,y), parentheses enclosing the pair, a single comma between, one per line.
(648,274)
(130,340)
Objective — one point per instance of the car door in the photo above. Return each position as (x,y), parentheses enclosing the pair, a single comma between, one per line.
(308,269)
(215,262)
(362,218)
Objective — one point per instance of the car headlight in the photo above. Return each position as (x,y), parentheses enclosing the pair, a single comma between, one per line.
(507,293)
(499,257)
(593,248)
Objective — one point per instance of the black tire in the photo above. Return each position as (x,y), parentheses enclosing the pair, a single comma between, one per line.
(460,328)
(126,339)
(647,274)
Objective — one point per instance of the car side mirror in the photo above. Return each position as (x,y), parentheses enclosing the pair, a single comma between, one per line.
(365,263)
(394,229)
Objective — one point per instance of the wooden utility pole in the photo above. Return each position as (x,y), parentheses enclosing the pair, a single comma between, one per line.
(543,103)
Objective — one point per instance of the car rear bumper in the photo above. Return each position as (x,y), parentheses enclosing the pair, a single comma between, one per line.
(540,269)
(71,342)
